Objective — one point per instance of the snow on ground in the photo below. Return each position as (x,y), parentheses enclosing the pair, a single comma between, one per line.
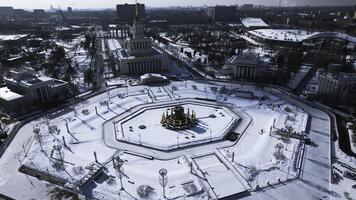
(197,56)
(81,61)
(83,136)
(139,171)
(352,138)
(257,156)
(159,93)
(13,183)
(282,34)
(116,82)
(113,44)
(263,53)
(156,136)
(291,116)
(219,176)
(343,184)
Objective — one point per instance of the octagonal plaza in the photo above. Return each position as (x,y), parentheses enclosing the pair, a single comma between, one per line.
(143,125)
(75,146)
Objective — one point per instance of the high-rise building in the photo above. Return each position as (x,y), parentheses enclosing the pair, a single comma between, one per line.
(69,10)
(222,13)
(247,6)
(4,10)
(126,12)
(39,12)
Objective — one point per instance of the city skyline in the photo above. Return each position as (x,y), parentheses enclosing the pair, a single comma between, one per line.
(46,4)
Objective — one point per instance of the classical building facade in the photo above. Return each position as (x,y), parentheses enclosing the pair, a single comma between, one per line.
(23,88)
(138,56)
(247,65)
(341,88)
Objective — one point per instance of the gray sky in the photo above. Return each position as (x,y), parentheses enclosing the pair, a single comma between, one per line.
(30,4)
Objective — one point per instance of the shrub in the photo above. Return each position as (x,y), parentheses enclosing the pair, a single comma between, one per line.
(144,191)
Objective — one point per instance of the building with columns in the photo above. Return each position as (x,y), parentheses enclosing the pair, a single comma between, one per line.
(118,31)
(138,55)
(24,88)
(247,65)
(338,88)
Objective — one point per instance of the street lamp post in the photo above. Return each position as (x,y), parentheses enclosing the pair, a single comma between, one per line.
(117,163)
(163,179)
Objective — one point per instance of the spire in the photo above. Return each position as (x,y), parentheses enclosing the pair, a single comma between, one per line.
(137,16)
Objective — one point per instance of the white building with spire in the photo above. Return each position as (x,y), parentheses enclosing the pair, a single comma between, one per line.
(138,56)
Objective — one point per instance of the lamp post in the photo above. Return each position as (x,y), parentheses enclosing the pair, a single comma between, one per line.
(163,179)
(139,139)
(117,163)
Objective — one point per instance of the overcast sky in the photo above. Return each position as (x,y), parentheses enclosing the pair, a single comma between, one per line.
(30,4)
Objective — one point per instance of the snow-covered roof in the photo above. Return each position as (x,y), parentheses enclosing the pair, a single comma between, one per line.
(7,95)
(11,37)
(345,77)
(155,76)
(247,58)
(253,22)
(288,35)
(341,36)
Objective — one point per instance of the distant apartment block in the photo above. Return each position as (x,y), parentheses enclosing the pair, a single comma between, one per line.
(39,12)
(222,13)
(127,12)
(5,10)
(247,6)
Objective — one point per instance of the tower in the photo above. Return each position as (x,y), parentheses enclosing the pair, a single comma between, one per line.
(137,28)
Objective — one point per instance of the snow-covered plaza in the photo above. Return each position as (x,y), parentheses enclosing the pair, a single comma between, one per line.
(143,126)
(238,148)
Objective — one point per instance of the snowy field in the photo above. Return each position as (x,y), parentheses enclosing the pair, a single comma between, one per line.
(69,146)
(279,160)
(139,171)
(219,176)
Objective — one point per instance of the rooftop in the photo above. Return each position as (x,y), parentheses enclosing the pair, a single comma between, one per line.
(149,75)
(7,95)
(124,54)
(12,37)
(246,58)
(342,76)
(253,22)
(288,35)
